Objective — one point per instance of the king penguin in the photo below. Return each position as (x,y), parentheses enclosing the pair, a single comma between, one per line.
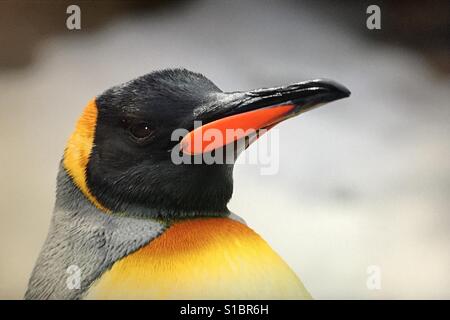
(129,222)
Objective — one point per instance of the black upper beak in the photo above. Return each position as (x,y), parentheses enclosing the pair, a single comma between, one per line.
(245,113)
(304,95)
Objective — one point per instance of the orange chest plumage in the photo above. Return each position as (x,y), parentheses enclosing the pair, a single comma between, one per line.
(208,258)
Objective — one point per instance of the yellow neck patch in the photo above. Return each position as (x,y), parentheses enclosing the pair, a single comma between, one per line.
(78,151)
(204,258)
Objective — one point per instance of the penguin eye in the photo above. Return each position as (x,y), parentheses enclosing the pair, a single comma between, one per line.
(140,130)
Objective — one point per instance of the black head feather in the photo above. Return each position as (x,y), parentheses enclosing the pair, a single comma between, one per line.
(136,175)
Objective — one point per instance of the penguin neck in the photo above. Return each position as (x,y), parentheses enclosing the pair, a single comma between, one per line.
(70,197)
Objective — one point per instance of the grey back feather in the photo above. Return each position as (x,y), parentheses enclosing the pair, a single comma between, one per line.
(82,236)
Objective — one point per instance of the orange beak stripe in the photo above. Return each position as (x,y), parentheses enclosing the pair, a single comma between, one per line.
(199,140)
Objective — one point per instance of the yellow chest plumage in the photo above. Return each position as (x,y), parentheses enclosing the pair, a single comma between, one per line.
(208,258)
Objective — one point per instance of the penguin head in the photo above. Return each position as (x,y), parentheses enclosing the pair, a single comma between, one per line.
(124,153)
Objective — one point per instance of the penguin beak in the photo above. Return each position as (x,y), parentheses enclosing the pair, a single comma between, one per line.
(235,116)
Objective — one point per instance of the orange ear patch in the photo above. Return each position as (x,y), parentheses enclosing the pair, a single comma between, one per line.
(78,151)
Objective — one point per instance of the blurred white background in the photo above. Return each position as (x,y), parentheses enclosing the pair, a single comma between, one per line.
(363,181)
